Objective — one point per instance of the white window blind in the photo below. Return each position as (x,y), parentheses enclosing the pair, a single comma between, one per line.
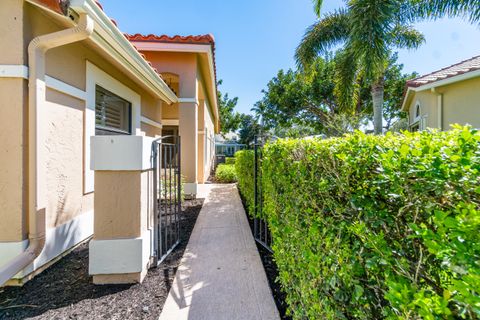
(112,113)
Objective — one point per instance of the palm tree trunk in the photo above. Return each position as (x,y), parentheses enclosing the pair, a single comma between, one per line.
(378,90)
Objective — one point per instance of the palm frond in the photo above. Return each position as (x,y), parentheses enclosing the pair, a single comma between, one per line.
(346,84)
(332,30)
(407,37)
(434,9)
(317,7)
(374,21)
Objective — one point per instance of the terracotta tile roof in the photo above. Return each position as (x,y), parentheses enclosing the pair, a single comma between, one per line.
(200,39)
(463,67)
(206,39)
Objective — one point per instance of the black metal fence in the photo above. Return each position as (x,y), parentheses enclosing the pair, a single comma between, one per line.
(261,232)
(167,191)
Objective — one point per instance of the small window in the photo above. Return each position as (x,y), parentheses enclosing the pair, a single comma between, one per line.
(112,113)
(417,110)
(415,127)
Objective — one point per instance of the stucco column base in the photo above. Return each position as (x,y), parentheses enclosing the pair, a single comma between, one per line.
(121,247)
(126,278)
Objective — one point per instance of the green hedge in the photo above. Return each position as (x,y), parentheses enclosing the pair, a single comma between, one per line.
(374,227)
(244,166)
(225,173)
(230,160)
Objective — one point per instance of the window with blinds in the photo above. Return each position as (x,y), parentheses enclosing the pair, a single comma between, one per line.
(112,113)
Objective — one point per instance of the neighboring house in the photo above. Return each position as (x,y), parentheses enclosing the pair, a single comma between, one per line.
(188,66)
(445,97)
(228,145)
(67,73)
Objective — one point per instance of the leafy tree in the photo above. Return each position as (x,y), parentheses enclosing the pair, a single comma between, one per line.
(249,128)
(305,102)
(295,132)
(301,99)
(368,30)
(229,118)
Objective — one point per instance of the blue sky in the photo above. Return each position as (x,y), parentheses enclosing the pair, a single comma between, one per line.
(256,38)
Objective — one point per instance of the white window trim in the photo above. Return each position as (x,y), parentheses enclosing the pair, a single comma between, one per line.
(415,117)
(96,76)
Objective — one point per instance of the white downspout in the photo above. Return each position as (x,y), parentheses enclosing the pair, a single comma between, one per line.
(36,158)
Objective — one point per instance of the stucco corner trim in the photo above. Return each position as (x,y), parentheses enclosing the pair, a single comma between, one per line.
(151,122)
(189,100)
(63,87)
(13,71)
(119,256)
(22,72)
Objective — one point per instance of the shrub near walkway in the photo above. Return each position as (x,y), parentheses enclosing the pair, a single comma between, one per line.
(372,227)
(225,173)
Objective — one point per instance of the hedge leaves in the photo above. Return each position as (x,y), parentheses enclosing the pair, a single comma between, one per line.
(374,227)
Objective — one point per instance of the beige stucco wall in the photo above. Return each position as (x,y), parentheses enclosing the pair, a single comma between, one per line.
(205,136)
(201,142)
(209,138)
(13,119)
(182,64)
(12,28)
(64,126)
(170,111)
(460,100)
(123,204)
(462,103)
(64,156)
(188,131)
(150,131)
(428,108)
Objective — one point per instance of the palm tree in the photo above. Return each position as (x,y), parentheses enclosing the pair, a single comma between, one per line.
(425,9)
(368,30)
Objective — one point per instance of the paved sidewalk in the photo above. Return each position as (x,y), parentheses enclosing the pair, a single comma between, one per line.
(221,275)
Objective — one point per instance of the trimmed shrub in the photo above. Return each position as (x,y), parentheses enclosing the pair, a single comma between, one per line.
(376,227)
(226,173)
(244,166)
(230,160)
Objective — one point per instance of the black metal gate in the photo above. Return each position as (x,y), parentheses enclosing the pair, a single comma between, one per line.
(167,192)
(261,232)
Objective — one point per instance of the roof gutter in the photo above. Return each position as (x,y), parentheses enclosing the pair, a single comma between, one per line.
(37,50)
(108,37)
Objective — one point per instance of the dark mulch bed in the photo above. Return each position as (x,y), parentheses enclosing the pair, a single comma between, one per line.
(271,270)
(65,290)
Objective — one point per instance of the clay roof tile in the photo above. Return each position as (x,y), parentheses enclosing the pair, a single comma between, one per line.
(457,69)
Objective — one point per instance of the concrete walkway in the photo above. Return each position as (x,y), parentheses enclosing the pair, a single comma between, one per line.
(221,275)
